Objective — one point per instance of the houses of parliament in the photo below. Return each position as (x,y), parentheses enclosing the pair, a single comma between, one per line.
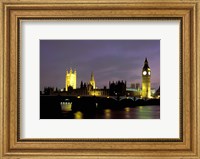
(116,88)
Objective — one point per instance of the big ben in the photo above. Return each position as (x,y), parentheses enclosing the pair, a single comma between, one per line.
(146,80)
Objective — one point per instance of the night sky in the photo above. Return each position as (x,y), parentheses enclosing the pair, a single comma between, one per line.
(110,60)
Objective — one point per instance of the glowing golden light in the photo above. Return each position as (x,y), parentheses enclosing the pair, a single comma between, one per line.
(107,113)
(70,79)
(127,109)
(107,110)
(146,81)
(66,106)
(78,115)
(108,97)
(78,97)
(92,81)
(95,93)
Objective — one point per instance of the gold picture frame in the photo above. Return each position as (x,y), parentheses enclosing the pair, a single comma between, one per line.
(12,12)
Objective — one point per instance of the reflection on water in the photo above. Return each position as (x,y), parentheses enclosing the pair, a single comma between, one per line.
(137,112)
(107,113)
(78,115)
(127,109)
(66,106)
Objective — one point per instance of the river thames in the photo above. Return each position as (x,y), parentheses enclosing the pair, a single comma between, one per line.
(137,112)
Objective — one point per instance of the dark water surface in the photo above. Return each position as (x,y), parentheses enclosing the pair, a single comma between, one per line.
(137,112)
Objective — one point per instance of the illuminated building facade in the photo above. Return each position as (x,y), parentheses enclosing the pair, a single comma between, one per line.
(92,81)
(146,80)
(70,79)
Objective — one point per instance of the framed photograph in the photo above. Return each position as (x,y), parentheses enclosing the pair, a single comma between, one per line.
(97,98)
(95,79)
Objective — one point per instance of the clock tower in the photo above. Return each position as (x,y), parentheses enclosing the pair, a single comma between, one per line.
(146,80)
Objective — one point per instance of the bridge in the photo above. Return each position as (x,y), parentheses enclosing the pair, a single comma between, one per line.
(117,98)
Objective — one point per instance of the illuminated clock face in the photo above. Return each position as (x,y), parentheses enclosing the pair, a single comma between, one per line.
(149,73)
(144,72)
